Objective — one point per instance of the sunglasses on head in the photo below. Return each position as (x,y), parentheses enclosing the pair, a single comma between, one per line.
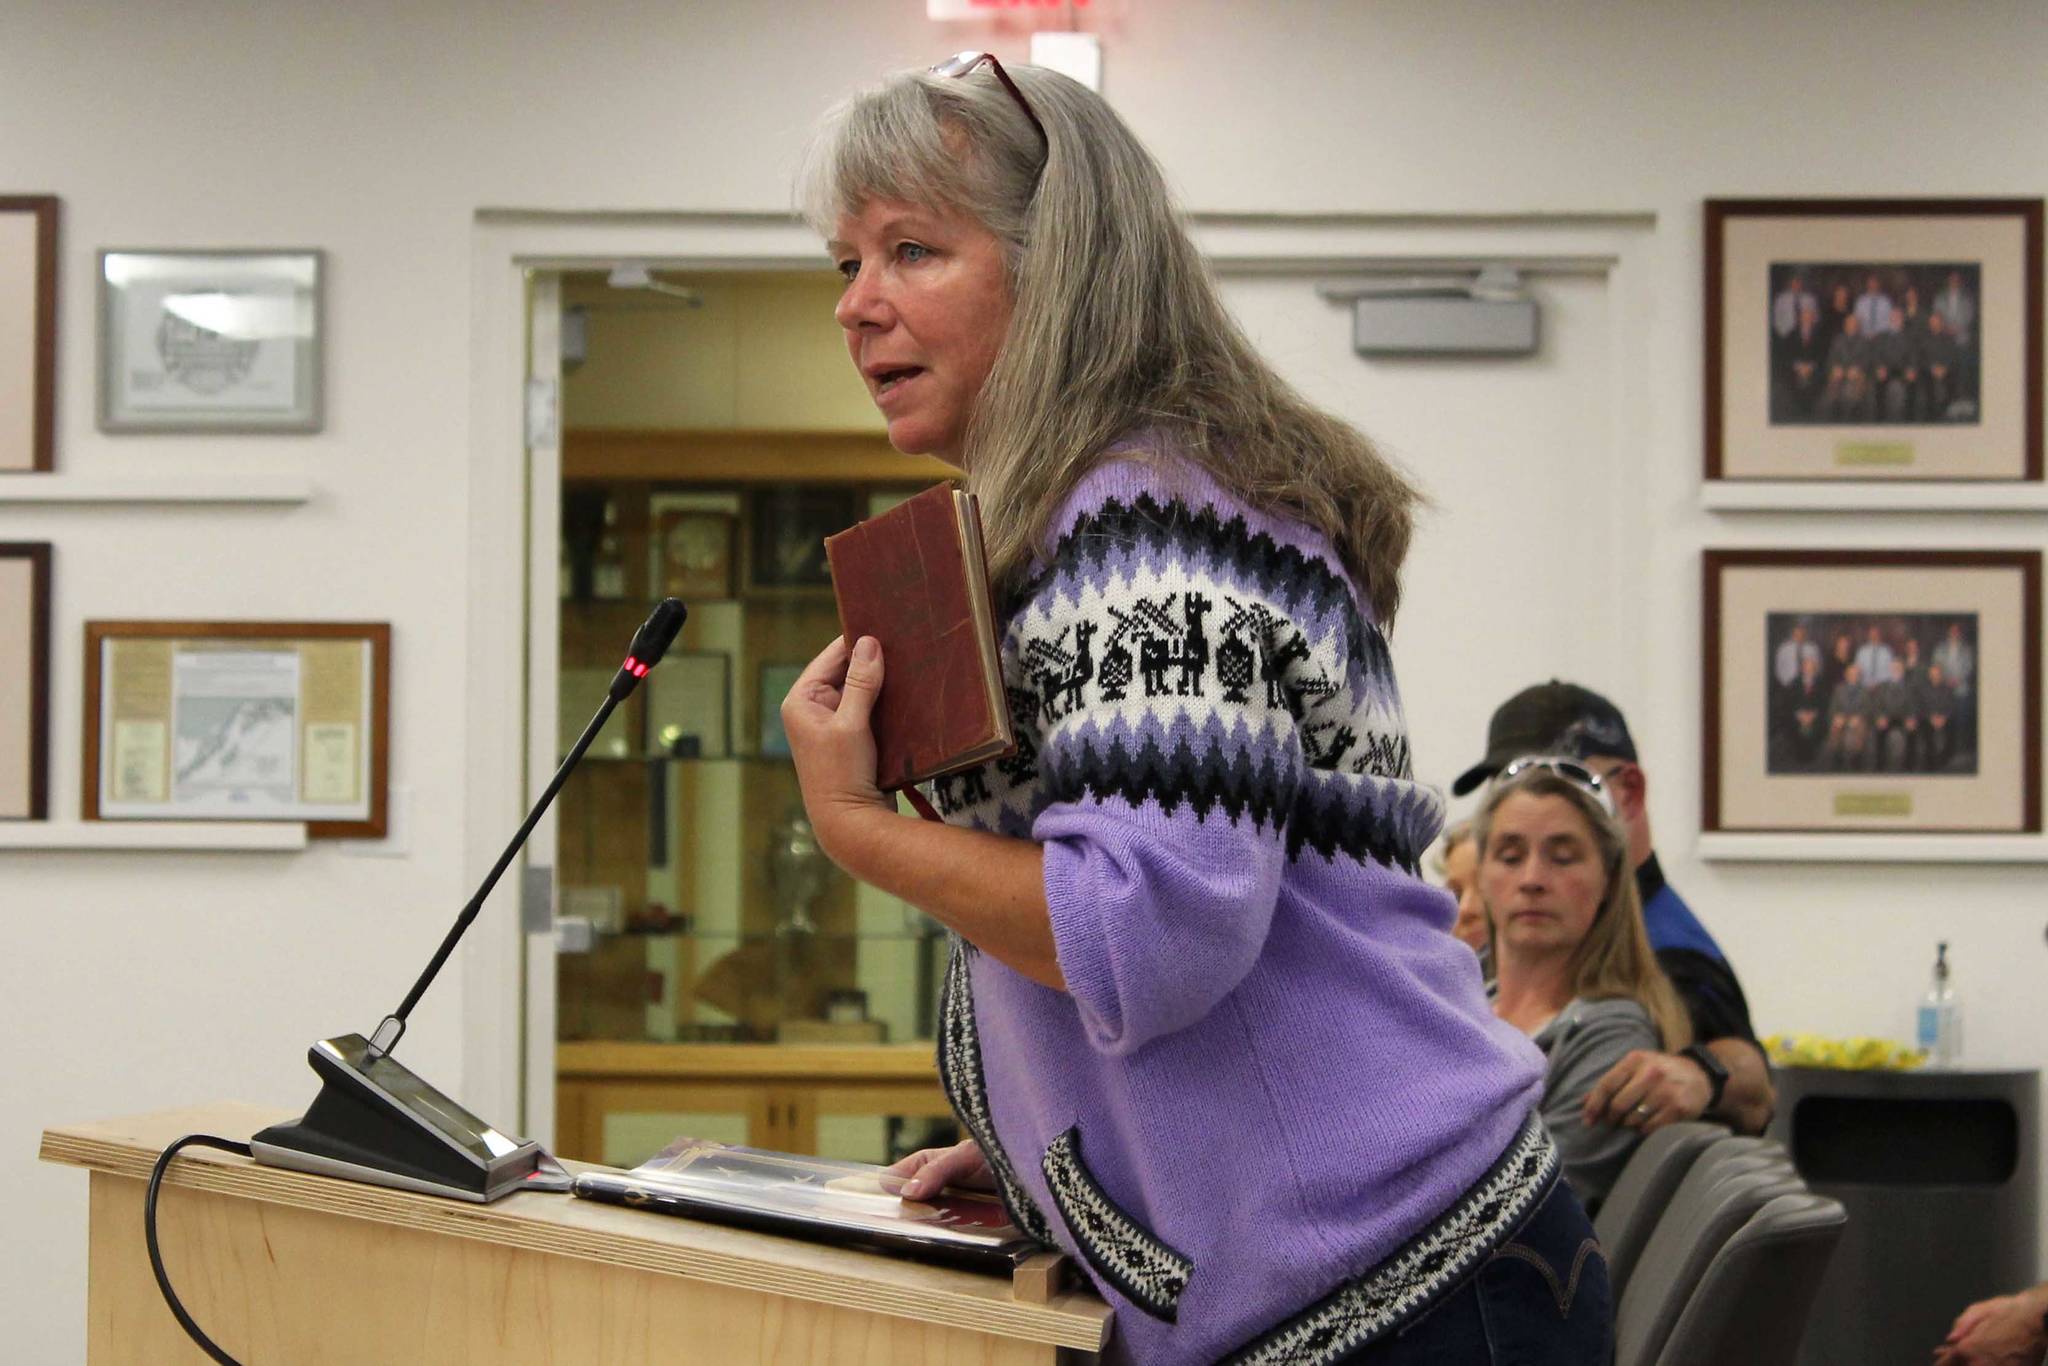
(961,63)
(1571,770)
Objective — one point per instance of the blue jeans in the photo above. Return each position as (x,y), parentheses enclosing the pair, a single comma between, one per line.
(1541,1299)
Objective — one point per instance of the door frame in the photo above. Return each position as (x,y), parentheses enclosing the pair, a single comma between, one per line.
(507,1059)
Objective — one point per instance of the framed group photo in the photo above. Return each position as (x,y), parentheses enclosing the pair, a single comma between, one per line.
(28,333)
(1862,690)
(1865,339)
(248,721)
(210,341)
(24,681)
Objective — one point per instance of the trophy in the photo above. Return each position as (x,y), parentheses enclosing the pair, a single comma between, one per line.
(797,873)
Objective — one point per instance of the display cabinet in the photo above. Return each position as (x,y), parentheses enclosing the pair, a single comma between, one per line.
(700,912)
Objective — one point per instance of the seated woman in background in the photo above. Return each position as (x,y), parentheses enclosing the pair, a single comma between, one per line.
(1571,959)
(1458,866)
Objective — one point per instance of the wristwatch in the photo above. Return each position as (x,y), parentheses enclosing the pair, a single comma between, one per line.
(1717,1072)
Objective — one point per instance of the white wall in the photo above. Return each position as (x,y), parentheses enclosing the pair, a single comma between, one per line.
(375,131)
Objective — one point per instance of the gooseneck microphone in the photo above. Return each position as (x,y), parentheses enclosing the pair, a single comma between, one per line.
(650,643)
(376,1122)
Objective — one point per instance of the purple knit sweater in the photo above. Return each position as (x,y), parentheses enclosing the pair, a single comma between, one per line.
(1274,1111)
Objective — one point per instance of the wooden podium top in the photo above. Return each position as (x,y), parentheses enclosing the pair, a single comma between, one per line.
(548,1222)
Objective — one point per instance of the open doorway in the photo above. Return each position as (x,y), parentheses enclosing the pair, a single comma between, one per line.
(715,974)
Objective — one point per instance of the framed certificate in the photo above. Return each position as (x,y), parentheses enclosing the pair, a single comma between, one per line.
(286,721)
(24,681)
(28,332)
(211,341)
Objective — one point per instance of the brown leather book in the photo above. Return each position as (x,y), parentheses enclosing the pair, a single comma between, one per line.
(915,578)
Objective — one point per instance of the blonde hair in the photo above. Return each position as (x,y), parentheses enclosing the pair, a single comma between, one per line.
(1614,960)
(1455,834)
(1117,324)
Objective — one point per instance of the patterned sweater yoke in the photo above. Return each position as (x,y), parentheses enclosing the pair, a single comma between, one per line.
(1272,1114)
(1182,649)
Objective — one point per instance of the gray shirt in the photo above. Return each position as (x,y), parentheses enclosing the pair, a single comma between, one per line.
(1582,1043)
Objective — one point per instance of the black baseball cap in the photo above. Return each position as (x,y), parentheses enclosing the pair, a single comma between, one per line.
(1551,718)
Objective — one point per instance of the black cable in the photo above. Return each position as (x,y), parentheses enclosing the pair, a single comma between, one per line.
(156,1257)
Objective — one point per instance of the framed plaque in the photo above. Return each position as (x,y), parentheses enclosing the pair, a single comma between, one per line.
(193,720)
(1870,339)
(786,531)
(695,552)
(1872,690)
(28,333)
(209,341)
(689,699)
(24,681)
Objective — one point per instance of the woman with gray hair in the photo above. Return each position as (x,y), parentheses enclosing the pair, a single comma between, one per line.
(1572,960)
(1202,1023)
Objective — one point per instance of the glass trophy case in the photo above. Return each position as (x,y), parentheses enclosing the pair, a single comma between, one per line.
(708,942)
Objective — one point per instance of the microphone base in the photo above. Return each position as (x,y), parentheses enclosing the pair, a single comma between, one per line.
(375,1122)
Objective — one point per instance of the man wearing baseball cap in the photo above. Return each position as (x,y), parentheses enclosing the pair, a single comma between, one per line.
(1724,1076)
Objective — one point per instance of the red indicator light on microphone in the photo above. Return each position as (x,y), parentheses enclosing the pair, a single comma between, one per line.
(635,667)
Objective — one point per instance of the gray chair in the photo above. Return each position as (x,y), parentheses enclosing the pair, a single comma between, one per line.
(1753,1303)
(1642,1191)
(1714,1200)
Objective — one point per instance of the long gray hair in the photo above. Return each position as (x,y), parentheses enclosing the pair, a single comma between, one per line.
(1117,324)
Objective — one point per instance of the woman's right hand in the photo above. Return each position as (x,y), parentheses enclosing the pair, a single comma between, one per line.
(931,1170)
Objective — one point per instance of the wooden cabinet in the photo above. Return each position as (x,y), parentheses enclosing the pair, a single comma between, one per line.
(789,1098)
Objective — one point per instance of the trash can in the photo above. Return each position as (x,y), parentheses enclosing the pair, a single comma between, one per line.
(1939,1172)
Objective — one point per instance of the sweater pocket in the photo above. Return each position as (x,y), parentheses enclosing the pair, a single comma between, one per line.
(1123,1252)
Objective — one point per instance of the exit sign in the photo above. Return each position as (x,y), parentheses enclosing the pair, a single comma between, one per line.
(984,9)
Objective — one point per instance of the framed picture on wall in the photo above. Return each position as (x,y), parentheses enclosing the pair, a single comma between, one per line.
(24,681)
(209,341)
(1873,339)
(1871,690)
(244,721)
(786,531)
(28,333)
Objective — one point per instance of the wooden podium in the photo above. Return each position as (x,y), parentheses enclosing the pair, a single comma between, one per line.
(285,1267)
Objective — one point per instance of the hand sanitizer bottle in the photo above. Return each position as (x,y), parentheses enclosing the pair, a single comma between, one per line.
(1941,1016)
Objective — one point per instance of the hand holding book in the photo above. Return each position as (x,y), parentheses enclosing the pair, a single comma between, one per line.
(828,716)
(915,581)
